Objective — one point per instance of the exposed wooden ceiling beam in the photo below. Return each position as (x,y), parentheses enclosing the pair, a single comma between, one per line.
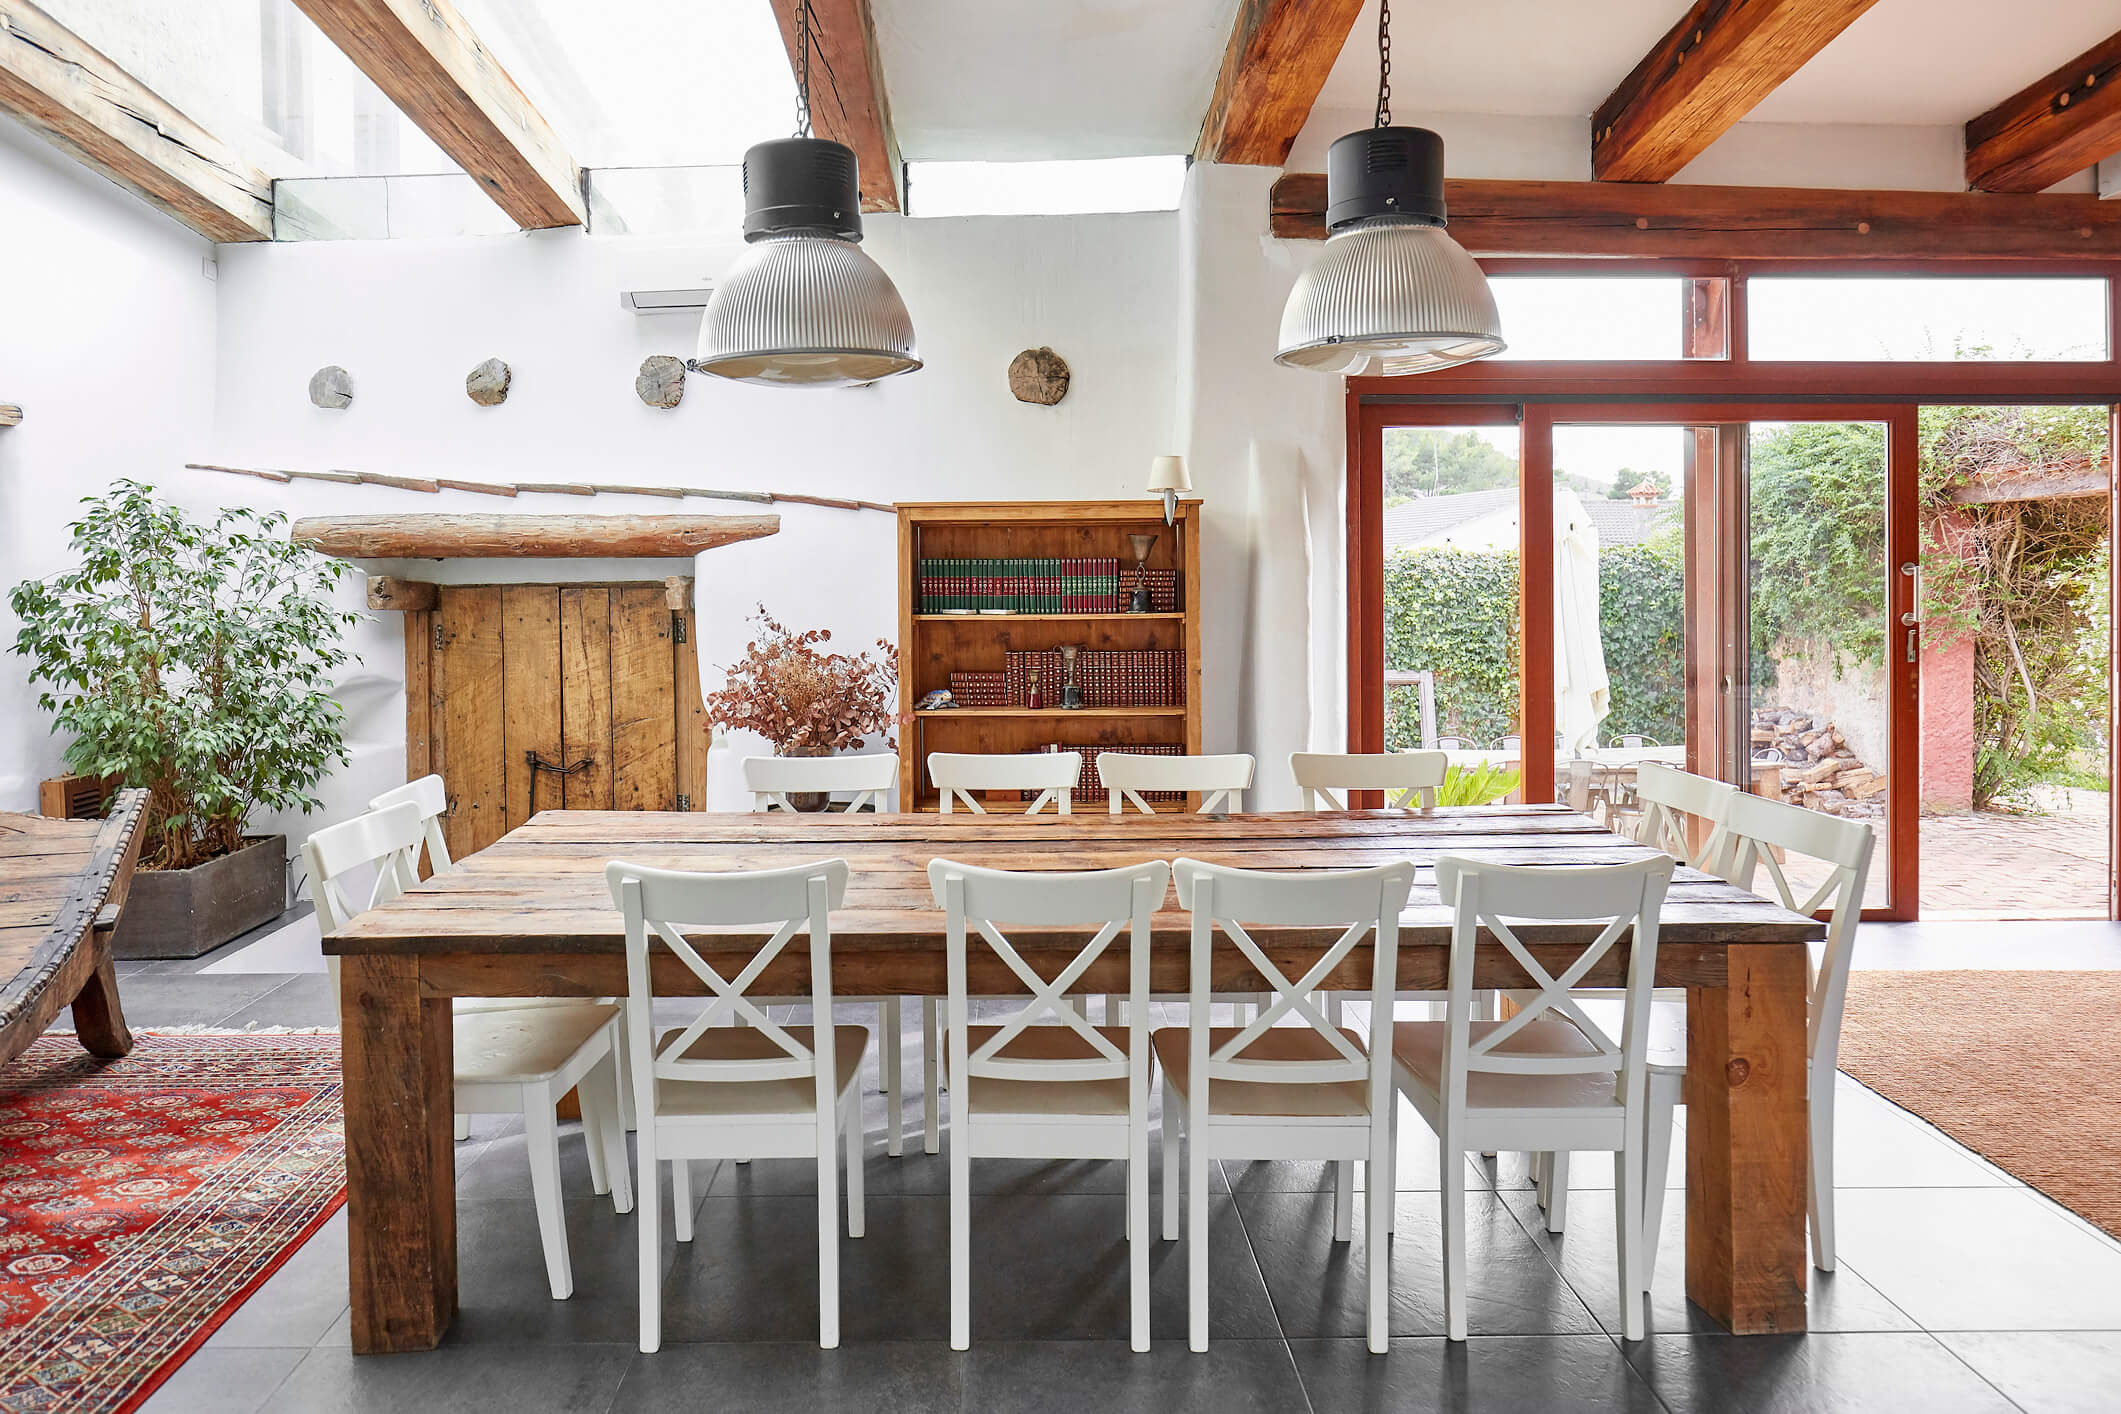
(847,99)
(68,90)
(1709,71)
(2044,132)
(438,537)
(426,59)
(1762,223)
(1279,54)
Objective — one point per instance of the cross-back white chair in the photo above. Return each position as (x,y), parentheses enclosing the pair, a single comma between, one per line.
(432,797)
(1221,780)
(1548,1078)
(1046,1084)
(1268,1091)
(1409,777)
(1759,828)
(516,1061)
(755,1089)
(1675,804)
(771,779)
(1052,774)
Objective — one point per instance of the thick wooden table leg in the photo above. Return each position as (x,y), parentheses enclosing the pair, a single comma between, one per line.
(98,1018)
(401,1196)
(1746,1142)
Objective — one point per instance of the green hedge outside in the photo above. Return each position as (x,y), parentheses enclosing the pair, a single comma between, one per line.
(1454,612)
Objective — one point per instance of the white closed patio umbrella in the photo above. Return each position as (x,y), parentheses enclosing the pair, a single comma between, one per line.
(1583,695)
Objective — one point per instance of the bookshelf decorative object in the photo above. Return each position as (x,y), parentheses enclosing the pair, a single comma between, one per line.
(991,593)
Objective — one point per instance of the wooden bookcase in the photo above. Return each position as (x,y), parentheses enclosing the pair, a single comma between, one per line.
(932,646)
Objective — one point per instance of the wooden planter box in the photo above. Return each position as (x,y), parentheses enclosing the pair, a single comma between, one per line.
(185,912)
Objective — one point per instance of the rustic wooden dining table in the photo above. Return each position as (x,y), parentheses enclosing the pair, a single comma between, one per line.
(530,916)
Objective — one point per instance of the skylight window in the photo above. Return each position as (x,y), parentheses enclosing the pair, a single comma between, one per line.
(1044,188)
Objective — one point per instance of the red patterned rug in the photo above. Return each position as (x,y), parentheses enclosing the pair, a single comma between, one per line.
(142,1200)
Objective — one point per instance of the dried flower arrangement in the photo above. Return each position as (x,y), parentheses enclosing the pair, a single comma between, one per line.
(805,701)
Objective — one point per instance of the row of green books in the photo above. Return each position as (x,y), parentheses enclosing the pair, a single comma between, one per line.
(1082,584)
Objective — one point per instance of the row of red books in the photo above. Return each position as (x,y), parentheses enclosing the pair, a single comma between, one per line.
(979,689)
(1088,787)
(1141,677)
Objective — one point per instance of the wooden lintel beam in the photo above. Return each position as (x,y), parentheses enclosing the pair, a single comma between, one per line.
(2067,121)
(1279,54)
(858,113)
(72,93)
(426,59)
(387,591)
(1741,223)
(1708,71)
(2042,484)
(441,537)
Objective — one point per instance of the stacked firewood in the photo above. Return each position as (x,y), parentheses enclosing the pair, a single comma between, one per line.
(1819,770)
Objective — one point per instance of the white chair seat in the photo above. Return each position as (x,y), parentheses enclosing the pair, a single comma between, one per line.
(1419,1046)
(1267,1100)
(706,1098)
(525,1045)
(988,1095)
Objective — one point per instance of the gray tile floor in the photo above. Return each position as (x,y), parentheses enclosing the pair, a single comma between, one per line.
(1959,1288)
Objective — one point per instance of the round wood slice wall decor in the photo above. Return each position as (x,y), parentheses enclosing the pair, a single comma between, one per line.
(661,381)
(487,385)
(331,387)
(1038,376)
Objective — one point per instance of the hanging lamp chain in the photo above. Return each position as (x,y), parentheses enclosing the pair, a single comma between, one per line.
(1384,63)
(803,21)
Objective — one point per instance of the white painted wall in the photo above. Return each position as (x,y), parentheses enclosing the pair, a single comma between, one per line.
(107,342)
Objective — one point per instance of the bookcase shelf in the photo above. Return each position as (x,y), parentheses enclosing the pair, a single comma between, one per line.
(933,645)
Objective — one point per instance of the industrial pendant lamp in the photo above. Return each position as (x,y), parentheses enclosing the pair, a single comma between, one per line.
(1392,286)
(804,305)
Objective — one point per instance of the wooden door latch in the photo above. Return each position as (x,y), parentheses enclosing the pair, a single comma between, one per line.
(538,763)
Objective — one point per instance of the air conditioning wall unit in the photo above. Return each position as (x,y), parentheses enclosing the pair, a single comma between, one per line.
(666,301)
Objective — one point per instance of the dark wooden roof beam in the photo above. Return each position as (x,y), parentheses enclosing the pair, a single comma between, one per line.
(2067,121)
(851,106)
(1279,54)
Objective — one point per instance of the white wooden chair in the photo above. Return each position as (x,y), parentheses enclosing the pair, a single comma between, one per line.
(1760,828)
(1220,780)
(1548,1078)
(1677,806)
(1266,1091)
(1411,776)
(1052,774)
(752,1090)
(432,797)
(771,779)
(1064,1090)
(516,1061)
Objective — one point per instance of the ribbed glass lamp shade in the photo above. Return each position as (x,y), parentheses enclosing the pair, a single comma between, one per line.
(1392,290)
(806,311)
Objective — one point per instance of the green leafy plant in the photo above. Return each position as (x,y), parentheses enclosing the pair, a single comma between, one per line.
(1480,784)
(193,658)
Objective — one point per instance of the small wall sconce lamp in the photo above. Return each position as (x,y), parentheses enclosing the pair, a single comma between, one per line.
(1168,475)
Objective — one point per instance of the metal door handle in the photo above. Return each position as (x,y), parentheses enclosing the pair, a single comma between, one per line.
(538,763)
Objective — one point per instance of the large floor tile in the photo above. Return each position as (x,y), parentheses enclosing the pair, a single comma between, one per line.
(793,1378)
(917,1173)
(1812,1374)
(1064,1377)
(503,1294)
(1969,1259)
(487,1379)
(153,999)
(297,1304)
(1320,1287)
(2047,1372)
(1879,1145)
(1589,1260)
(223,1381)
(1584,1374)
(306,999)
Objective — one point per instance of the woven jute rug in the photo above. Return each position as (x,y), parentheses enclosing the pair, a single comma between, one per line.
(143,1200)
(2024,1068)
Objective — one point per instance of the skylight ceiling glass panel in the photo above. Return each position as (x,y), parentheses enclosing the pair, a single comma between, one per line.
(260,76)
(1528,58)
(1012,81)
(627,83)
(1936,61)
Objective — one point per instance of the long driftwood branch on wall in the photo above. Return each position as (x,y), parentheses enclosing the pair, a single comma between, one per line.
(432,485)
(441,537)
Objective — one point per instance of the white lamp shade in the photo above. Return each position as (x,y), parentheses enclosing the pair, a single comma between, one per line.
(806,311)
(1392,291)
(1169,474)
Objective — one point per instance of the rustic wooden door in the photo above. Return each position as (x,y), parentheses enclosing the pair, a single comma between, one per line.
(556,696)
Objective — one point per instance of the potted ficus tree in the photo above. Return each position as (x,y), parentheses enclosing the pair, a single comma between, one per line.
(192,658)
(803,699)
